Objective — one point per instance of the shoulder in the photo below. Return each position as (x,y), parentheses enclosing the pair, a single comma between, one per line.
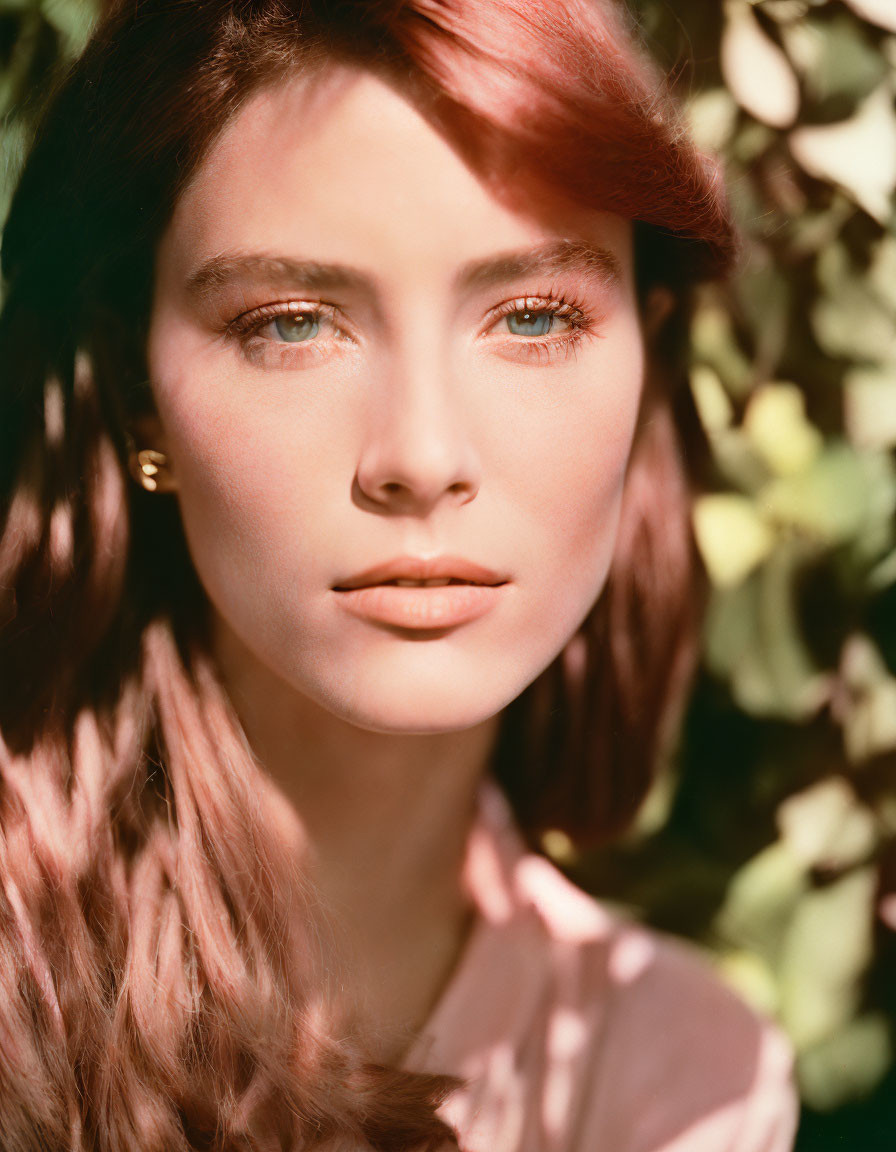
(672,1058)
(574,1029)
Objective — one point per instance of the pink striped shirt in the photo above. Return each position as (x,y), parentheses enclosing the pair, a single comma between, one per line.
(576,1031)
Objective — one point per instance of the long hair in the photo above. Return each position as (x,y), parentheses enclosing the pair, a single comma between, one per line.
(161,981)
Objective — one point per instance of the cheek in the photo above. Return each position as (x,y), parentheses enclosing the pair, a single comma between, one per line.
(575,471)
(229,493)
(594,475)
(251,533)
(582,529)
(234,454)
(244,514)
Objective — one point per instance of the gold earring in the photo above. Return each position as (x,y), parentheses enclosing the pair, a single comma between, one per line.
(151,470)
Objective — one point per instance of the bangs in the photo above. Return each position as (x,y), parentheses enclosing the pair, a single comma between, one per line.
(558,102)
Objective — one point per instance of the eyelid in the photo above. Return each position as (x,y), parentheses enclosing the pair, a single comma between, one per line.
(250,323)
(583,321)
(564,308)
(254,318)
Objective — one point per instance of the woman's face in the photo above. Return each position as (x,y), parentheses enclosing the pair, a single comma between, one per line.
(359,356)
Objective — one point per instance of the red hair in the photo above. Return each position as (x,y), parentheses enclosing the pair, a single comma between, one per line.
(154,994)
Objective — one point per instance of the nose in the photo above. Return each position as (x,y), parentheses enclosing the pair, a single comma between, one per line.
(418,449)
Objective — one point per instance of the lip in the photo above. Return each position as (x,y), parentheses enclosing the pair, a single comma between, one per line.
(369,595)
(422,568)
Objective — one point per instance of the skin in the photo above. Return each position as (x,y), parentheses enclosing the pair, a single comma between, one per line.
(413,420)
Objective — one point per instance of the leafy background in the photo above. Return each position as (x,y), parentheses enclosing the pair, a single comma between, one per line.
(772,839)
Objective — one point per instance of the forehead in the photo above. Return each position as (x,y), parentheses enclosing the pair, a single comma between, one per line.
(340,162)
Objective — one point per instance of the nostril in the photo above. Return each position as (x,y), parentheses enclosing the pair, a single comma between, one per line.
(414,484)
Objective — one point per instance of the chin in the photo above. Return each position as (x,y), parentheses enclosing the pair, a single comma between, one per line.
(420,712)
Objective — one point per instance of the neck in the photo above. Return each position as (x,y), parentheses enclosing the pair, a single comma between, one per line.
(383,820)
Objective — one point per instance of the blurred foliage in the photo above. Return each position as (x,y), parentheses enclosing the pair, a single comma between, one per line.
(772,841)
(38,38)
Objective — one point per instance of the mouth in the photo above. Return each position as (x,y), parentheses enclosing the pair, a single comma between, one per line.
(420,572)
(400,582)
(417,594)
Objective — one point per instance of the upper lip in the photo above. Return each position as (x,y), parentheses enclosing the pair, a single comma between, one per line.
(419,568)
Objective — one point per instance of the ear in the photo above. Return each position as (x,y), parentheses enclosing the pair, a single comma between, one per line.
(149,461)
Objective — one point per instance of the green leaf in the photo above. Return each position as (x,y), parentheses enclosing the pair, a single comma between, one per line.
(776,425)
(73,20)
(850,318)
(763,292)
(714,407)
(712,116)
(867,700)
(739,463)
(13,141)
(858,154)
(882,272)
(733,539)
(825,953)
(839,65)
(715,345)
(761,901)
(877,534)
(870,406)
(754,641)
(828,501)
(847,1065)
(877,11)
(752,977)
(756,71)
(826,825)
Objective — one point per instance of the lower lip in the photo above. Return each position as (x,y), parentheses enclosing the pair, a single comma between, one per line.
(444,606)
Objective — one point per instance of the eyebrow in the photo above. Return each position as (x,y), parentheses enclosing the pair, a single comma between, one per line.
(221,271)
(553,258)
(578,256)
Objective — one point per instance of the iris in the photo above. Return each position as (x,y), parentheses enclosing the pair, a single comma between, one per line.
(530,323)
(295,328)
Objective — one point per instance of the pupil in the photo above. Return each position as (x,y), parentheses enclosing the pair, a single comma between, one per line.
(297,328)
(530,323)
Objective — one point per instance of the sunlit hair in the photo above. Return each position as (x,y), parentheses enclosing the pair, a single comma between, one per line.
(161,981)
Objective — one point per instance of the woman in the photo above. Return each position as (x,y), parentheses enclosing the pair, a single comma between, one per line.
(342,473)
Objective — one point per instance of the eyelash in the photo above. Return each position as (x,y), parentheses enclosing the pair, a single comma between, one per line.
(245,329)
(547,349)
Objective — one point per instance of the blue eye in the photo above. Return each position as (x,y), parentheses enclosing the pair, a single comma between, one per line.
(530,323)
(294,328)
